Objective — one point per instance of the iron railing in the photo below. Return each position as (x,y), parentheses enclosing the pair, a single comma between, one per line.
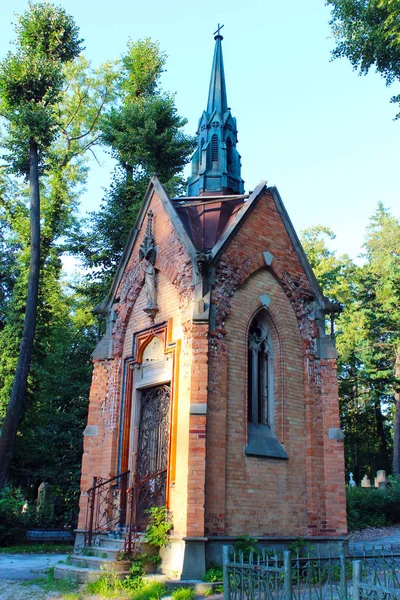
(378,578)
(312,576)
(141,496)
(106,508)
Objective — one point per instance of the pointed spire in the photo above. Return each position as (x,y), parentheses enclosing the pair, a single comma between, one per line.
(216,162)
(217,93)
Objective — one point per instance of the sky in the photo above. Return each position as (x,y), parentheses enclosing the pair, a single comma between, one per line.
(311,126)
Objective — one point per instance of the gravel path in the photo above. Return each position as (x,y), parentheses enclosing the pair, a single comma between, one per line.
(11,589)
(376,533)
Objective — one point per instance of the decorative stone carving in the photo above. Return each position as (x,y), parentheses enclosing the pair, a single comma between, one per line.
(147,258)
(203,259)
(352,483)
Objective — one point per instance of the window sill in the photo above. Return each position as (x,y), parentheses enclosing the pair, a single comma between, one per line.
(262,442)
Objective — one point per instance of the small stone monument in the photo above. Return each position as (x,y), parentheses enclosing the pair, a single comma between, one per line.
(366,482)
(380,479)
(352,483)
(44,503)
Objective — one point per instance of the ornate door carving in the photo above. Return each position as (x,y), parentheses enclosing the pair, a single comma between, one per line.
(152,451)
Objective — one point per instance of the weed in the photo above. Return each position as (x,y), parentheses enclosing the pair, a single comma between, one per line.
(246,545)
(153,590)
(184,593)
(214,573)
(104,555)
(157,531)
(208,592)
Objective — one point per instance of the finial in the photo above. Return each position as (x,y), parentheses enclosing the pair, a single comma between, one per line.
(149,228)
(217,33)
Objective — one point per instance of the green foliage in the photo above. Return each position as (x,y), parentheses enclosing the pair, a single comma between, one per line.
(145,135)
(367,338)
(214,573)
(109,586)
(143,65)
(31,81)
(50,31)
(13,521)
(184,593)
(300,546)
(246,545)
(49,584)
(367,32)
(160,523)
(365,508)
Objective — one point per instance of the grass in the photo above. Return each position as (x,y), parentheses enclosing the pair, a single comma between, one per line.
(45,548)
(108,586)
(49,584)
(184,593)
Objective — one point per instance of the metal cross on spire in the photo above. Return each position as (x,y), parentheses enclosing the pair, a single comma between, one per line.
(219,29)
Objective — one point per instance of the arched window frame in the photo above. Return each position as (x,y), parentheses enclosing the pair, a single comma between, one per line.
(229,148)
(260,373)
(261,439)
(214,148)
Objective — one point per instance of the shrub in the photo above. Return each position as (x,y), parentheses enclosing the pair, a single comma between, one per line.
(13,522)
(371,507)
(214,573)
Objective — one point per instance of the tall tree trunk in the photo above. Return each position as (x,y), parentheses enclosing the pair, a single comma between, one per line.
(383,462)
(14,409)
(396,426)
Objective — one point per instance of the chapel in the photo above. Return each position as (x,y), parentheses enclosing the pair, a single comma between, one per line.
(214,388)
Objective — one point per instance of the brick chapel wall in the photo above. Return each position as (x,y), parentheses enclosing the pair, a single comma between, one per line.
(170,307)
(175,289)
(264,231)
(263,496)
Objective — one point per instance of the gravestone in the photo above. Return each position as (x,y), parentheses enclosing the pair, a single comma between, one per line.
(365,482)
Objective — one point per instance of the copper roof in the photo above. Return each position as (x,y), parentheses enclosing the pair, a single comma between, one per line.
(205,220)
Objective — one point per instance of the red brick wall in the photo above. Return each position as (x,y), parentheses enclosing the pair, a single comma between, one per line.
(218,489)
(304,495)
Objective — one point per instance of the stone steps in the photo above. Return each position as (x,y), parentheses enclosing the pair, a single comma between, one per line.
(88,566)
(82,574)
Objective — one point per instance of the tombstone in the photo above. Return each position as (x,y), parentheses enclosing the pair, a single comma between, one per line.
(380,480)
(365,482)
(352,483)
(44,503)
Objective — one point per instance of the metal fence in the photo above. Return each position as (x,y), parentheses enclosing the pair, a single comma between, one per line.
(288,576)
(377,579)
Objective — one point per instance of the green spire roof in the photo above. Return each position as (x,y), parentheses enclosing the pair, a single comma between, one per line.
(216,162)
(217,93)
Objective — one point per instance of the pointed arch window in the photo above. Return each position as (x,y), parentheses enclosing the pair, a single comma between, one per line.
(202,142)
(214,148)
(262,440)
(260,373)
(229,151)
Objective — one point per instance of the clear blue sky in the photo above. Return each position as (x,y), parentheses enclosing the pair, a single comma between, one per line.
(322,134)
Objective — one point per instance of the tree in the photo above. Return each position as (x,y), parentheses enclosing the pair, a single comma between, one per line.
(367,32)
(144,134)
(367,339)
(31,82)
(382,310)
